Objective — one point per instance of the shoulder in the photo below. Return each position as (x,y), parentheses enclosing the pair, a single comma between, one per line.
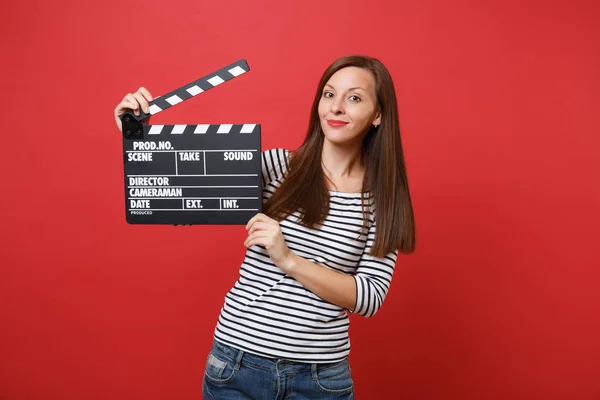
(276,154)
(274,164)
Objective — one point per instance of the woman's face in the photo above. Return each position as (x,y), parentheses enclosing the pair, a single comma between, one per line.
(348,106)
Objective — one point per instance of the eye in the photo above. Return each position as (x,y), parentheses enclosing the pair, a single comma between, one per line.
(327,94)
(354,98)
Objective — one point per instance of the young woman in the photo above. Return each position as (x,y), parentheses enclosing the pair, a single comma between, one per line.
(336,213)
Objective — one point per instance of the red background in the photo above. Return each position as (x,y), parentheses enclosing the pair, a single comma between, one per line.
(499,109)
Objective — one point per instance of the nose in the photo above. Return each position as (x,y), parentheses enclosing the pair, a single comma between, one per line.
(337,106)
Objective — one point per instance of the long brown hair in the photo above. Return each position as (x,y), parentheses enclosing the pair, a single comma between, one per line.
(305,190)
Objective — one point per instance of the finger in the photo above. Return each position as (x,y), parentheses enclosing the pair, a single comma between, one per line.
(267,219)
(258,226)
(257,236)
(255,242)
(131,98)
(143,102)
(145,93)
(254,236)
(133,102)
(260,217)
(121,109)
(124,106)
(252,221)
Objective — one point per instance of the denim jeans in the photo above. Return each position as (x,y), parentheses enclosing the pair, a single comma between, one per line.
(234,374)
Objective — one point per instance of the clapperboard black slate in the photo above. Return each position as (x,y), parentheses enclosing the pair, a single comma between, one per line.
(191,174)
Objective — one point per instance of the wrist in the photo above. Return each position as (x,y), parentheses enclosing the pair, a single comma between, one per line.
(289,263)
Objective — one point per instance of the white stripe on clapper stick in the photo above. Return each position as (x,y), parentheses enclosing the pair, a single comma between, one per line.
(155,129)
(224,128)
(237,71)
(154,109)
(201,129)
(194,90)
(215,80)
(248,128)
(178,129)
(174,100)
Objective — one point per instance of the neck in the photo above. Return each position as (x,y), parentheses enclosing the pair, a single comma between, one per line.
(342,161)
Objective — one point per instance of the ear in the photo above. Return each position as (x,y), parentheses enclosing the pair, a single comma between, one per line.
(377,120)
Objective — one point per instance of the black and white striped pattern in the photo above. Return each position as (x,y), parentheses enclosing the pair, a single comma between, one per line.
(195,88)
(270,314)
(200,129)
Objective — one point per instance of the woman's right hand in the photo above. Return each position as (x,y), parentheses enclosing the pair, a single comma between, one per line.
(133,101)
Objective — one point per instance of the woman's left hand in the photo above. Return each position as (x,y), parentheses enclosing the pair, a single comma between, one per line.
(266,232)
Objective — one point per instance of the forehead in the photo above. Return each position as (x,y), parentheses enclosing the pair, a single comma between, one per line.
(352,77)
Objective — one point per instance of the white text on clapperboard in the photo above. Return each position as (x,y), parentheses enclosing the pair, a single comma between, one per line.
(144,189)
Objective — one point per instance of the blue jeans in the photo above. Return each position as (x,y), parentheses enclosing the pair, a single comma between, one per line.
(234,374)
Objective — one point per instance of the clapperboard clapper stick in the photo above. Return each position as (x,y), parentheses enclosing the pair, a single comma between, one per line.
(191,174)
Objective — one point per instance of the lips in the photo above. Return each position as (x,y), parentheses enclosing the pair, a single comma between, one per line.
(336,123)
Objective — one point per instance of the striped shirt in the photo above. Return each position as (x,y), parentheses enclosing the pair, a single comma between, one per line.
(270,314)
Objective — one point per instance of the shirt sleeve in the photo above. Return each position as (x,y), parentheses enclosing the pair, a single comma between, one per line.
(274,165)
(373,278)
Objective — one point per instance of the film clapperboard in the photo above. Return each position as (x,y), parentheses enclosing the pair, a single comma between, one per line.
(191,174)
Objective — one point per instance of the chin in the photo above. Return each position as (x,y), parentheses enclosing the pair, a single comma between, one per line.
(341,137)
(334,137)
(341,140)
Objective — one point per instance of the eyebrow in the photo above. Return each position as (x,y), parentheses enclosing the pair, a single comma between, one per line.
(352,88)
